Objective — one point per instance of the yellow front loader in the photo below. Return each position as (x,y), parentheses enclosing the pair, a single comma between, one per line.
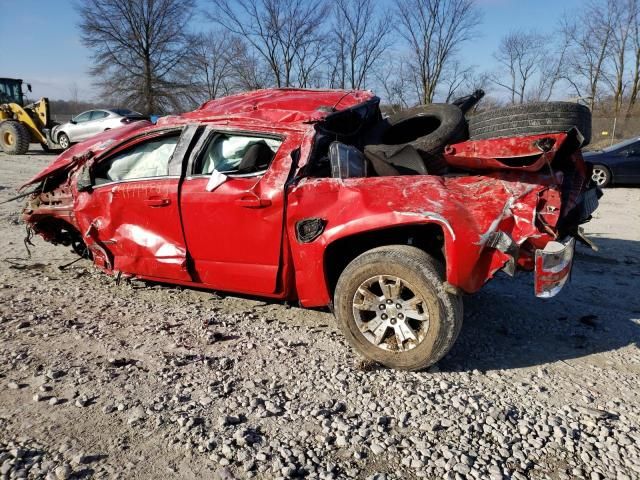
(22,124)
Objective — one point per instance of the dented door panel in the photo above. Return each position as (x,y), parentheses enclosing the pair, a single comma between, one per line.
(138,225)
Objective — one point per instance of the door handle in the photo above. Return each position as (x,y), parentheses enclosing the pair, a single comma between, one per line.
(253,201)
(157,202)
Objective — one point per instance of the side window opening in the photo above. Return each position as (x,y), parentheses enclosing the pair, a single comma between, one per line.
(98,114)
(83,117)
(144,160)
(240,154)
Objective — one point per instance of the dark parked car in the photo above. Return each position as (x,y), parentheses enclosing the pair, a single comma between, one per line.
(617,164)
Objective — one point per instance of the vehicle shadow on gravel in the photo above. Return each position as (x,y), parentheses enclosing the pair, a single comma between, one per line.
(506,327)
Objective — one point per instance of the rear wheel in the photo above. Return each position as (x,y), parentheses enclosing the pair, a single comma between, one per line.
(391,305)
(14,137)
(601,175)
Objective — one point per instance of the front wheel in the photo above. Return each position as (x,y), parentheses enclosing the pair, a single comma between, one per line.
(14,137)
(63,141)
(601,175)
(392,306)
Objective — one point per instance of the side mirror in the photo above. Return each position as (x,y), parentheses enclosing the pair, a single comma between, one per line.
(72,121)
(85,182)
(29,87)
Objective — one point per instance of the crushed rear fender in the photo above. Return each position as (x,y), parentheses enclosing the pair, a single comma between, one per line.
(474,212)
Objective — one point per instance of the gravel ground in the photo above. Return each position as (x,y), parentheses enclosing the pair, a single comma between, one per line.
(135,380)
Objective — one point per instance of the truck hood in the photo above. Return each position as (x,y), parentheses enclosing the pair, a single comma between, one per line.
(96,144)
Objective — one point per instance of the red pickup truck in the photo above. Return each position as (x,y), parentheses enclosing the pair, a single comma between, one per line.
(311,195)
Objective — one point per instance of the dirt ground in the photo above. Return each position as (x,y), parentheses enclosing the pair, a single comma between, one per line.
(135,380)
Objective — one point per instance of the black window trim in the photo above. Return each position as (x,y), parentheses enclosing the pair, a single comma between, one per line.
(209,134)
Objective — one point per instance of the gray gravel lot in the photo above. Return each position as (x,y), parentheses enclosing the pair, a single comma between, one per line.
(148,381)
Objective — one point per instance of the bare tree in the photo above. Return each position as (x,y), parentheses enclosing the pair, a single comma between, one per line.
(434,31)
(249,71)
(395,78)
(635,43)
(590,36)
(309,60)
(278,30)
(622,24)
(459,78)
(552,69)
(136,48)
(520,56)
(362,36)
(209,66)
(74,95)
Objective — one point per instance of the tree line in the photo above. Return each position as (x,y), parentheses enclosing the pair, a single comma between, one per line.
(154,55)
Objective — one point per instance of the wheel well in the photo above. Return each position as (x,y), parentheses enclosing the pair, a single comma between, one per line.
(427,237)
(57,231)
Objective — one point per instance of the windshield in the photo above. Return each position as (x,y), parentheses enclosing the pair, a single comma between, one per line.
(620,145)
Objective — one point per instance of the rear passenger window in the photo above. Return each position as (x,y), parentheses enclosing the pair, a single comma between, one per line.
(237,154)
(98,114)
(144,160)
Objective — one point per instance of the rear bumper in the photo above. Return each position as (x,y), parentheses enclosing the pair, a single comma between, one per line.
(553,267)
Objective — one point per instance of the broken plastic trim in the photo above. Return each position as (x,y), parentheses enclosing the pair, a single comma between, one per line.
(503,242)
(84,182)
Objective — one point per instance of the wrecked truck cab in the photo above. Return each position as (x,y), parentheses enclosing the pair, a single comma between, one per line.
(292,194)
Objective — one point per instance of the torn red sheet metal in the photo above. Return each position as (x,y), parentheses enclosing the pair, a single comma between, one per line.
(528,153)
(469,211)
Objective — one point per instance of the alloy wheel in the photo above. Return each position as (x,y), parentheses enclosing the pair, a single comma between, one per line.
(599,176)
(390,313)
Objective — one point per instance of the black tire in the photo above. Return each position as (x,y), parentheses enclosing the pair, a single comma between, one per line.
(63,140)
(427,128)
(531,119)
(417,271)
(601,175)
(14,137)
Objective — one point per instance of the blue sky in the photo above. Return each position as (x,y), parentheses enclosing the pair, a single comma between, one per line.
(45,48)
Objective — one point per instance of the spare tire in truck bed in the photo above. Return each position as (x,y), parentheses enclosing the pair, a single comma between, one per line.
(427,128)
(531,119)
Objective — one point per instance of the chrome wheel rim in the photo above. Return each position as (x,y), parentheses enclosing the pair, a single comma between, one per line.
(64,141)
(599,176)
(390,313)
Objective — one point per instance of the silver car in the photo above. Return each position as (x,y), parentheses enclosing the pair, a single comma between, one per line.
(91,122)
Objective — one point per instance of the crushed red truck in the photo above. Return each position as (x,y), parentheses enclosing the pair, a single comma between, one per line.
(313,196)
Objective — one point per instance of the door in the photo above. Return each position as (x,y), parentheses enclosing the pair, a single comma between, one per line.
(234,230)
(132,212)
(95,124)
(76,131)
(628,165)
